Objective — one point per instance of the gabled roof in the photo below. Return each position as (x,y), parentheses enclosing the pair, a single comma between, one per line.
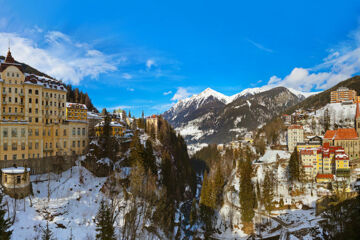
(341,134)
(330,134)
(319,175)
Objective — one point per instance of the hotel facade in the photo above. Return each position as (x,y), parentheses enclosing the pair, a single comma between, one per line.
(33,119)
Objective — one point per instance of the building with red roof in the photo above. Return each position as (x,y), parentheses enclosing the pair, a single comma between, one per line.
(348,138)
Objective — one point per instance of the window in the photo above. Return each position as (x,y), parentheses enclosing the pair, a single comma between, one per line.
(78,131)
(30,91)
(14,146)
(64,132)
(83,131)
(6,178)
(18,179)
(23,146)
(30,145)
(13,132)
(5,146)
(37,92)
(23,132)
(73,131)
(5,132)
(73,143)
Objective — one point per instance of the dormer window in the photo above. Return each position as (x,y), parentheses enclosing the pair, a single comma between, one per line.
(17,75)
(12,74)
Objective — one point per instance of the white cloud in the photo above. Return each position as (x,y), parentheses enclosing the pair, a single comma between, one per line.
(339,65)
(162,107)
(260,46)
(181,93)
(127,76)
(116,107)
(150,63)
(59,56)
(130,89)
(167,93)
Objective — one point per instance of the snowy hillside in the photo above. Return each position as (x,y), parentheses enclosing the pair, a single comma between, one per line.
(72,205)
(342,115)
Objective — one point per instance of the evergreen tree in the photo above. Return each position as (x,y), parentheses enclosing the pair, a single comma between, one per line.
(268,192)
(149,161)
(108,143)
(47,233)
(5,223)
(104,223)
(218,186)
(247,193)
(294,166)
(206,206)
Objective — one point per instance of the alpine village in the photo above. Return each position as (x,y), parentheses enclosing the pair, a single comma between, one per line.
(70,172)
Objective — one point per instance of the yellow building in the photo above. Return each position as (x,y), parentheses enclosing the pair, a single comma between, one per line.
(33,121)
(324,160)
(342,94)
(76,111)
(324,178)
(342,163)
(117,129)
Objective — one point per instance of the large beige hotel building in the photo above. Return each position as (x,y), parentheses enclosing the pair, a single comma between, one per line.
(33,120)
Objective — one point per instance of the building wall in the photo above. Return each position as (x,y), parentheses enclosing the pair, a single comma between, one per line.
(33,120)
(11,180)
(342,95)
(295,136)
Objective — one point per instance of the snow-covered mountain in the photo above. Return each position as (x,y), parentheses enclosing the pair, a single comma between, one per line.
(212,117)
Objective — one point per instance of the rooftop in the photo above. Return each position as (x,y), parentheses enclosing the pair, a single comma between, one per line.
(295,127)
(14,170)
(341,134)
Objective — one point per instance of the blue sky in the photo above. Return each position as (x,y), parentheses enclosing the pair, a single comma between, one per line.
(146,55)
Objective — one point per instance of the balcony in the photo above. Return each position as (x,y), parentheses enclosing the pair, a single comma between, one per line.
(4,102)
(21,94)
(19,114)
(4,93)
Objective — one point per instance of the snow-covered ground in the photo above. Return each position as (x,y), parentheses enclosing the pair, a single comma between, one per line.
(271,156)
(72,205)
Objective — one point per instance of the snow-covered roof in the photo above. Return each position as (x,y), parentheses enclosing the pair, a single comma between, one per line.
(112,124)
(76,105)
(14,170)
(92,115)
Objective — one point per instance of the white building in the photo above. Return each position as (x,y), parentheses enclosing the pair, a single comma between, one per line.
(295,135)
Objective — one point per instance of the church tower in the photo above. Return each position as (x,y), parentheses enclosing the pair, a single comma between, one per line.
(357,119)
